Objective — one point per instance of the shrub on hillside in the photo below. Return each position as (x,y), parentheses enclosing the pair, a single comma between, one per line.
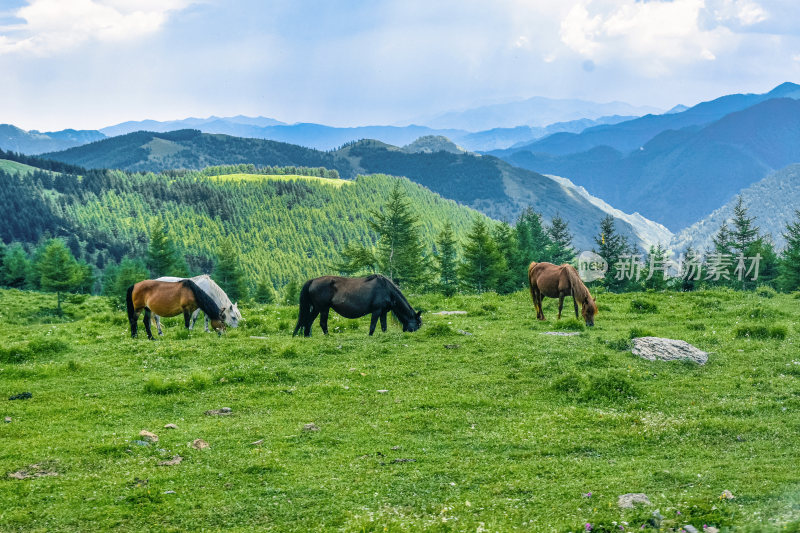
(643,307)
(778,332)
(765,291)
(610,387)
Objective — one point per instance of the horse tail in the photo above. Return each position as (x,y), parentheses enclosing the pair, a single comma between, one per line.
(205,302)
(530,281)
(305,307)
(131,310)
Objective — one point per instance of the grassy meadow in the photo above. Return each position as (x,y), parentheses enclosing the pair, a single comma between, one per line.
(499,429)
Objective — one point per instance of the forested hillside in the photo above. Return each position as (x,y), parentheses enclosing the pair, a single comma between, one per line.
(286,227)
(773,201)
(485,183)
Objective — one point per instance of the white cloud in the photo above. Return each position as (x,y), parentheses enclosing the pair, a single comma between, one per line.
(737,12)
(54,26)
(656,36)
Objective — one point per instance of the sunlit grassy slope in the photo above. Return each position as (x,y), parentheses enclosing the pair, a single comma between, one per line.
(475,422)
(12,167)
(285,177)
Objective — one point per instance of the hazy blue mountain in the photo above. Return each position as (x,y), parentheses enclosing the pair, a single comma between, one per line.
(485,183)
(216,123)
(680,108)
(632,134)
(680,176)
(500,138)
(773,202)
(536,111)
(322,137)
(34,142)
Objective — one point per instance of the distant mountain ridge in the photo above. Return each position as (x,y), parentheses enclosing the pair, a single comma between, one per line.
(537,111)
(34,142)
(632,134)
(680,175)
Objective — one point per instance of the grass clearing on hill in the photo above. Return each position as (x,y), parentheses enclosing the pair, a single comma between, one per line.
(475,422)
(281,177)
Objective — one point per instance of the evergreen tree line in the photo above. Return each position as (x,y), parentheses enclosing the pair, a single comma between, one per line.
(740,257)
(492,257)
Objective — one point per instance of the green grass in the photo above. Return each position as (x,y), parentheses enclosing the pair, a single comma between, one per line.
(281,177)
(500,430)
(12,167)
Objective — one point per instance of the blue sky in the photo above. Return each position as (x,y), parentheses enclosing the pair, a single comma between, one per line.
(93,63)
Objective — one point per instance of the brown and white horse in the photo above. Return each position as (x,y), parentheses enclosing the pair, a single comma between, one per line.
(166,298)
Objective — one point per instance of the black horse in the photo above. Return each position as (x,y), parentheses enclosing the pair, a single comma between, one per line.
(354,298)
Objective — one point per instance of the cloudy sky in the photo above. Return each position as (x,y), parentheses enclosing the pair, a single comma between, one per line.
(93,63)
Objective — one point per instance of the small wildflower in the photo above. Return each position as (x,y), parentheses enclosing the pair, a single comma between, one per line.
(588,526)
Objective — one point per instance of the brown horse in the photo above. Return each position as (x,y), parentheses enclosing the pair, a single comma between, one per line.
(353,298)
(547,279)
(166,298)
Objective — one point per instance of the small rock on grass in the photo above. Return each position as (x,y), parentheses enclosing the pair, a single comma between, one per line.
(146,435)
(452,346)
(176,460)
(689,528)
(170,426)
(200,444)
(259,442)
(32,471)
(562,333)
(311,426)
(383,391)
(222,411)
(8,420)
(629,501)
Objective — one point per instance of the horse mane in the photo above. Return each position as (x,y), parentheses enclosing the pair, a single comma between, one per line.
(398,296)
(205,302)
(207,284)
(579,291)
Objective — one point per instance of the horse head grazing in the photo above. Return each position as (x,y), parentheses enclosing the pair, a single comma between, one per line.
(231,316)
(414,323)
(588,309)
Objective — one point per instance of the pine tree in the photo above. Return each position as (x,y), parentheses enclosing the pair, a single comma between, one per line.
(265,294)
(789,266)
(162,256)
(228,273)
(400,251)
(561,250)
(612,247)
(744,231)
(16,266)
(722,240)
(291,293)
(654,268)
(533,241)
(59,270)
(117,278)
(446,260)
(482,262)
(357,258)
(510,276)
